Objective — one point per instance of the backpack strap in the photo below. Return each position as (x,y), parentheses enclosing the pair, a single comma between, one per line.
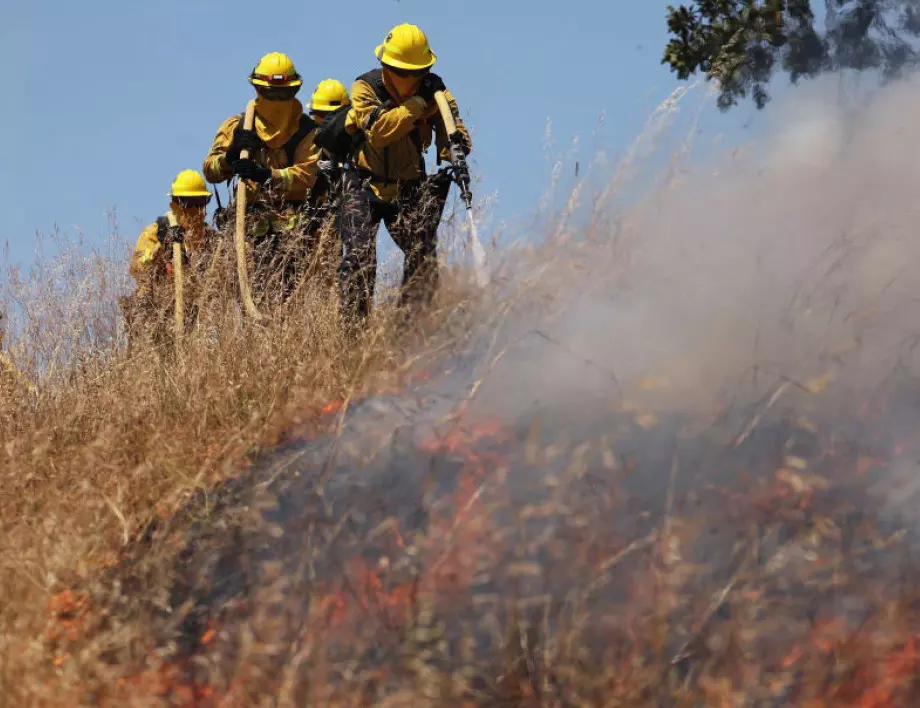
(162,228)
(307,126)
(374,79)
(332,137)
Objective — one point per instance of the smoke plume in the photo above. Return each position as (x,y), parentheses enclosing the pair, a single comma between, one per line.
(789,260)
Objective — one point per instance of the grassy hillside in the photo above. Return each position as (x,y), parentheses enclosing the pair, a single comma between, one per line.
(668,458)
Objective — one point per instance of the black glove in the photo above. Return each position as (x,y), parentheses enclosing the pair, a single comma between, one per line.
(250,169)
(173,234)
(459,142)
(441,178)
(242,140)
(429,86)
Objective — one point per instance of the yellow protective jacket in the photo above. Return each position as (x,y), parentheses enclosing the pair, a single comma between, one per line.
(290,182)
(148,255)
(397,136)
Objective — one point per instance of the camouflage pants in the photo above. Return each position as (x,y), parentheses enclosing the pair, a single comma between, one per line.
(288,250)
(149,315)
(149,312)
(412,221)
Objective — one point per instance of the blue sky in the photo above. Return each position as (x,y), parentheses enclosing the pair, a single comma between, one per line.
(107,100)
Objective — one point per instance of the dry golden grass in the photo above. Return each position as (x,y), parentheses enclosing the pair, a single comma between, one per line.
(99,440)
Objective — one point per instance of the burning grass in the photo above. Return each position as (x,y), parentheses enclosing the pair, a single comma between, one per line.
(482,567)
(473,563)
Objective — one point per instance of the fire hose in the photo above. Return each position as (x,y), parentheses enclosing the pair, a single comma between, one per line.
(178,283)
(460,172)
(240,235)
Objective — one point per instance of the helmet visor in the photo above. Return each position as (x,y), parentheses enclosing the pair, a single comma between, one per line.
(277,93)
(406,73)
(192,202)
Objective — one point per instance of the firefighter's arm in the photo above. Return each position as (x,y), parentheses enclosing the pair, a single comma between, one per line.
(145,252)
(300,176)
(441,138)
(351,122)
(382,126)
(216,169)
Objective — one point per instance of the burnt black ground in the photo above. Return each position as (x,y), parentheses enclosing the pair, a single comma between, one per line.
(290,528)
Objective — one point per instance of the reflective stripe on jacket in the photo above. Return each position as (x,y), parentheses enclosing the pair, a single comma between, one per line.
(289,182)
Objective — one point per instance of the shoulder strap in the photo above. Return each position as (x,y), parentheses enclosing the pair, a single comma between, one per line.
(374,79)
(162,228)
(307,126)
(239,123)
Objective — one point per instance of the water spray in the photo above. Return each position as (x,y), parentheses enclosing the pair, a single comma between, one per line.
(460,172)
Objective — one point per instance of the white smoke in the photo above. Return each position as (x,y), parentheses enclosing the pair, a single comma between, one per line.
(807,129)
(793,260)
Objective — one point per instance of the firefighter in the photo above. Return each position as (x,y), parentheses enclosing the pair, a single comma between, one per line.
(329,97)
(394,109)
(151,263)
(279,173)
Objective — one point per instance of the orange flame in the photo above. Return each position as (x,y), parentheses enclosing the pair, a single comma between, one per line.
(464,438)
(69,611)
(332,407)
(167,681)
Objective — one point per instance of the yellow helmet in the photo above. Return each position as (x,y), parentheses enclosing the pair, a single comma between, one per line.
(275,69)
(189,183)
(329,96)
(406,47)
